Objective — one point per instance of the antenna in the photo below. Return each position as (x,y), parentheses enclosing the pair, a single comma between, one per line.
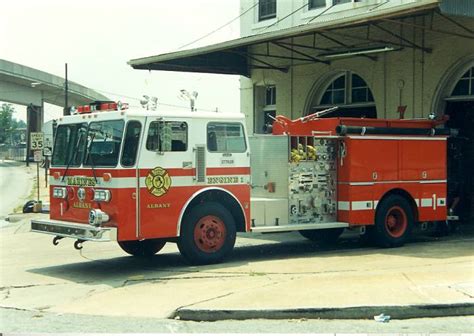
(185,95)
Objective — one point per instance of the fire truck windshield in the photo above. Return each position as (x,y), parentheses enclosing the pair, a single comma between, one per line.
(69,144)
(103,143)
(96,144)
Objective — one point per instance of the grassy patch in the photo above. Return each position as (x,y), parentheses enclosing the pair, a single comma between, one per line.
(252,273)
(31,196)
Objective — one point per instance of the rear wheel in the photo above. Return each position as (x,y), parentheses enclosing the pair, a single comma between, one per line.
(323,236)
(207,234)
(393,222)
(143,248)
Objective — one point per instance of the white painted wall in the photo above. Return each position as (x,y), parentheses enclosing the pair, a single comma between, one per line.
(424,74)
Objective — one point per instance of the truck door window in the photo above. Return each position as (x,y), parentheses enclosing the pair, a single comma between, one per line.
(226,137)
(167,136)
(130,145)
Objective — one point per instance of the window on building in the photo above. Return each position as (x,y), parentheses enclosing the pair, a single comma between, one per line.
(337,2)
(312,4)
(266,9)
(226,138)
(360,92)
(336,92)
(167,136)
(270,95)
(350,93)
(465,85)
(269,110)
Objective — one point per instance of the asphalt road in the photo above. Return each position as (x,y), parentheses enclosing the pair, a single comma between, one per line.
(18,321)
(15,185)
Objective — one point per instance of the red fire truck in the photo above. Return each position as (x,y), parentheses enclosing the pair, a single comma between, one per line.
(144,178)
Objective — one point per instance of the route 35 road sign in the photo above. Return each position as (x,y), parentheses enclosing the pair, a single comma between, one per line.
(36,140)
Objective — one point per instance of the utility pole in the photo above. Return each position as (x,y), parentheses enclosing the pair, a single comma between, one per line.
(28,131)
(66,108)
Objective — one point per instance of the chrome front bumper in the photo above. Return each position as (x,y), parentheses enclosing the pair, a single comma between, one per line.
(76,231)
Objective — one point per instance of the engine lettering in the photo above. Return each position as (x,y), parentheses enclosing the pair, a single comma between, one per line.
(222,180)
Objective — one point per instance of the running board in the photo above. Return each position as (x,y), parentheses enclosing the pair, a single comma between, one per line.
(295,227)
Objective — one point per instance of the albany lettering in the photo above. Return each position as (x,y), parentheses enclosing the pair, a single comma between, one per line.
(82,205)
(158,205)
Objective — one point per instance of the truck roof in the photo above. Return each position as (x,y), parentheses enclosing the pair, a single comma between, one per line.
(138,112)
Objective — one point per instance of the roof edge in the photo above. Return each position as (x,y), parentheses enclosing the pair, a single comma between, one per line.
(140,63)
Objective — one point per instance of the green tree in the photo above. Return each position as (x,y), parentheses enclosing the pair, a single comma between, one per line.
(6,121)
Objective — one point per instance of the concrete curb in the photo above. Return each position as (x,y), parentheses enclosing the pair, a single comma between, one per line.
(18,217)
(363,312)
(15,218)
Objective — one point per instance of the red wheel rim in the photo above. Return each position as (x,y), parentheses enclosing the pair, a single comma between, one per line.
(396,222)
(209,234)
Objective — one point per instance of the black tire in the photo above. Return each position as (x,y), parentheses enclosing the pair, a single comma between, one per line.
(29,206)
(323,236)
(143,248)
(393,222)
(207,234)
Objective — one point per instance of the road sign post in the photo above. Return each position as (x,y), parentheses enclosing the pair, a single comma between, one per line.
(37,145)
(36,140)
(38,156)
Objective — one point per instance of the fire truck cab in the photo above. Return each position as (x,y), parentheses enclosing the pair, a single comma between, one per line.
(144,178)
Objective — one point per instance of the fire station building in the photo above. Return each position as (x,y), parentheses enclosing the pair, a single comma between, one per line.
(371,58)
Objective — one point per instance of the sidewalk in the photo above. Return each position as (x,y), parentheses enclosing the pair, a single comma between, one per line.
(17,214)
(418,280)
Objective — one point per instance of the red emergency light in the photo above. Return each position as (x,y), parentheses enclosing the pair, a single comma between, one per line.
(99,106)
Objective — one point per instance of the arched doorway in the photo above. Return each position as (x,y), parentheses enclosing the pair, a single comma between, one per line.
(348,91)
(459,106)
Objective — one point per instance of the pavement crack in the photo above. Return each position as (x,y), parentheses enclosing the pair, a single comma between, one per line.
(409,280)
(462,292)
(29,286)
(202,301)
(159,279)
(19,309)
(7,294)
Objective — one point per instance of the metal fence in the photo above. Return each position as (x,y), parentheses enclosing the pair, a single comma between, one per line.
(16,153)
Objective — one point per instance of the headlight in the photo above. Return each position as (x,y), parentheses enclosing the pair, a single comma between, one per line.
(60,192)
(97,217)
(101,195)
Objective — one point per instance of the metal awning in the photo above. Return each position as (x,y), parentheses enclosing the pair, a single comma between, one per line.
(236,56)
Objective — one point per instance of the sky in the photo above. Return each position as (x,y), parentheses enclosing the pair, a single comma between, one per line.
(97,38)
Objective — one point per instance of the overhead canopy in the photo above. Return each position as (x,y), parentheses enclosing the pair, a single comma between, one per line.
(235,56)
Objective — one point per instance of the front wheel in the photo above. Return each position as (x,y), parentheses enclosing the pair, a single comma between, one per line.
(142,248)
(207,234)
(393,222)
